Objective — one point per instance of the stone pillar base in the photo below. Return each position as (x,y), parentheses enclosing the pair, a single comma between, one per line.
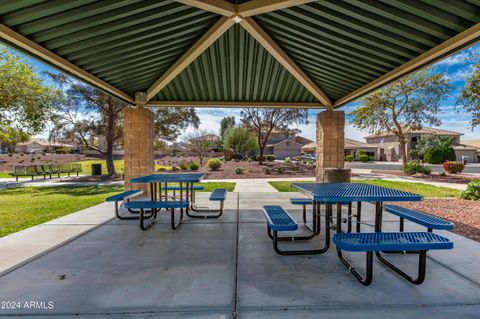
(330,142)
(139,137)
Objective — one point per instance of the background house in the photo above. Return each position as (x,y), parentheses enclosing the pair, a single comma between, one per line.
(283,145)
(389,148)
(43,145)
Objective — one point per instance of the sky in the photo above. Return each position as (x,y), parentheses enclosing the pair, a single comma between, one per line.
(457,67)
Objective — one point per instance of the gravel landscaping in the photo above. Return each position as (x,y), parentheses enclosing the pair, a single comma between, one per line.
(464,213)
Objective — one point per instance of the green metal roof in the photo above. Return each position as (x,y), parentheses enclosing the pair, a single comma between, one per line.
(340,45)
(235,68)
(343,45)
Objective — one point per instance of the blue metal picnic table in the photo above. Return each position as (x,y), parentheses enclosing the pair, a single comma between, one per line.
(331,193)
(156,181)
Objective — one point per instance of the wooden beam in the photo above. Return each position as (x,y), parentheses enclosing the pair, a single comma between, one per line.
(450,46)
(215,104)
(219,28)
(223,8)
(255,7)
(38,51)
(274,49)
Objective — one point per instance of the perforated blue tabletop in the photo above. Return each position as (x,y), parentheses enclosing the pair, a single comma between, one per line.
(169,178)
(354,192)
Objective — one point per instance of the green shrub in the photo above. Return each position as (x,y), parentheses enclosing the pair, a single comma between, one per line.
(349,158)
(281,170)
(442,174)
(433,156)
(239,171)
(473,190)
(270,157)
(194,166)
(214,164)
(363,158)
(267,171)
(62,150)
(453,167)
(287,160)
(175,168)
(162,169)
(257,158)
(414,167)
(184,165)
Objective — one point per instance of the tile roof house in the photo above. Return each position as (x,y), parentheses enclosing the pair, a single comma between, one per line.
(389,147)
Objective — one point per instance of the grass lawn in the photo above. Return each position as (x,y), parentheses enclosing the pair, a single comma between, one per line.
(417,188)
(24,207)
(87,168)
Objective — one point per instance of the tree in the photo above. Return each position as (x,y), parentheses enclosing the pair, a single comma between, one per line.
(25,101)
(11,136)
(470,96)
(262,122)
(240,141)
(87,113)
(424,143)
(170,121)
(225,124)
(405,105)
(200,143)
(445,145)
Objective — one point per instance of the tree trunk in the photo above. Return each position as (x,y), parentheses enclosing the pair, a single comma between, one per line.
(260,155)
(403,152)
(110,137)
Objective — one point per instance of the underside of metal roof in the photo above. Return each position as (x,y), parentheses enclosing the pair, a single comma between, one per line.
(342,46)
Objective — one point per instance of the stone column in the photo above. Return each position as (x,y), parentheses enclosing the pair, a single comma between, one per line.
(330,141)
(138,147)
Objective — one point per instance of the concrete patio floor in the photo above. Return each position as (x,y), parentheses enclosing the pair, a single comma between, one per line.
(225,268)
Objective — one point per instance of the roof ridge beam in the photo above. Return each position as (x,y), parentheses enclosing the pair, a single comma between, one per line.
(466,38)
(274,49)
(229,104)
(223,8)
(219,28)
(254,7)
(37,50)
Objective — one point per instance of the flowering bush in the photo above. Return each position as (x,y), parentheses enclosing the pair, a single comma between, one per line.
(453,167)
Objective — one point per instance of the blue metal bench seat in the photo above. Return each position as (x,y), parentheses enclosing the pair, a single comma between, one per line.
(154,207)
(429,221)
(377,242)
(177,188)
(279,220)
(124,196)
(218,194)
(157,204)
(301,201)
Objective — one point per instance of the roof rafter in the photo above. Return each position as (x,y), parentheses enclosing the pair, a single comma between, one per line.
(216,6)
(292,105)
(251,8)
(448,47)
(219,28)
(37,50)
(274,49)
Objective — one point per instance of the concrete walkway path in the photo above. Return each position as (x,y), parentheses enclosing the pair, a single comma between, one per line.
(253,185)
